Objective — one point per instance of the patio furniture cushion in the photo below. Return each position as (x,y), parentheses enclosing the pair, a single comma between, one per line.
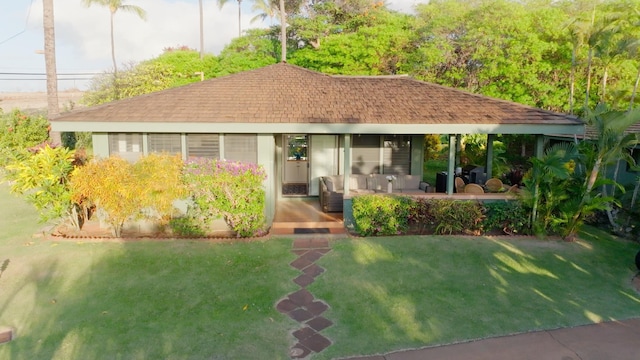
(473,189)
(494,185)
(334,183)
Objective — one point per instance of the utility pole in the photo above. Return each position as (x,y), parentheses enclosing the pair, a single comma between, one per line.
(50,63)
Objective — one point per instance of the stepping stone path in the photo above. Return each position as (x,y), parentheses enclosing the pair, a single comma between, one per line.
(301,305)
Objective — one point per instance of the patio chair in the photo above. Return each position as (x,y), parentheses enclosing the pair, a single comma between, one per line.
(473,189)
(494,185)
(459,185)
(514,189)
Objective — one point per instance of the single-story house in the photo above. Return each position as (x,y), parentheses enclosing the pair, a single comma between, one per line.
(302,125)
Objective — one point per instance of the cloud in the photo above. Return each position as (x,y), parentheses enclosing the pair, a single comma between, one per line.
(85,30)
(83,42)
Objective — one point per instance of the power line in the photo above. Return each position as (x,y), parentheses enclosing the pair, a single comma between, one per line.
(59,79)
(44,74)
(26,22)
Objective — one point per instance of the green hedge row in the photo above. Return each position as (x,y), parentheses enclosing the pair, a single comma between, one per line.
(400,215)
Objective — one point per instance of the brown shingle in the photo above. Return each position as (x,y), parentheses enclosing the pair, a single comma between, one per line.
(290,94)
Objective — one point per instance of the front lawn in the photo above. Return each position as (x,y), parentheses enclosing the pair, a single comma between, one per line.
(180,299)
(405,292)
(140,300)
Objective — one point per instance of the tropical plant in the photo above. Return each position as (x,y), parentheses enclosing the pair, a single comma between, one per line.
(44,180)
(222,3)
(611,145)
(546,184)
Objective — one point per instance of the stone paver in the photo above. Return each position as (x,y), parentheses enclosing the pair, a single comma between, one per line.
(301,305)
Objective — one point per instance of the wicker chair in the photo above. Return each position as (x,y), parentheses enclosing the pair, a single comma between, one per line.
(514,189)
(494,185)
(473,189)
(459,185)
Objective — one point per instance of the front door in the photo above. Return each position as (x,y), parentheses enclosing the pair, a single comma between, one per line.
(296,164)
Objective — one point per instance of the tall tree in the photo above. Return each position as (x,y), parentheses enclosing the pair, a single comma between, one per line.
(114,6)
(201,31)
(222,3)
(50,64)
(283,31)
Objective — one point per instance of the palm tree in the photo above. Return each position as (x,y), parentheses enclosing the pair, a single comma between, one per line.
(266,8)
(221,3)
(201,31)
(114,6)
(50,64)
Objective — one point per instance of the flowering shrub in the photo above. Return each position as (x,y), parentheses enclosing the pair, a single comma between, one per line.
(125,191)
(228,189)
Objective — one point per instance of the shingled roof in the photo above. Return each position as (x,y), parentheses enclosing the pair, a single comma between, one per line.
(288,94)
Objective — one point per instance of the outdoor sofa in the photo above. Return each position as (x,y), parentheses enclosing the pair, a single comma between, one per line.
(332,187)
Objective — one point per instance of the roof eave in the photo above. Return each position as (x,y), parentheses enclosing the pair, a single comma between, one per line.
(317,128)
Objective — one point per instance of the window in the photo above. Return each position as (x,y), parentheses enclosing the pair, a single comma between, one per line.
(241,147)
(365,154)
(396,156)
(367,157)
(203,146)
(164,143)
(127,146)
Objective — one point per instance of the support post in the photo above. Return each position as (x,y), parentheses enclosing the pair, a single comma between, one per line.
(489,162)
(539,149)
(452,163)
(347,163)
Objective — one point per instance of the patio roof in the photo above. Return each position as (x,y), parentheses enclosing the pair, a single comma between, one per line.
(287,98)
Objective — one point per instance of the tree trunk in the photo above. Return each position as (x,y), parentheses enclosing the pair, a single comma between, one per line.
(283,31)
(635,89)
(589,59)
(53,109)
(239,18)
(572,77)
(113,59)
(605,75)
(201,31)
(591,180)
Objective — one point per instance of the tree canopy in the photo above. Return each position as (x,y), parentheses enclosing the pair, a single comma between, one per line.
(556,55)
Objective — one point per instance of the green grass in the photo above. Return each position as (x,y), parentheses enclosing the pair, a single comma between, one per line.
(181,299)
(432,167)
(140,300)
(405,292)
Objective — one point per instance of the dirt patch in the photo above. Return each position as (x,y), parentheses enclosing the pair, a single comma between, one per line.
(37,101)
(92,231)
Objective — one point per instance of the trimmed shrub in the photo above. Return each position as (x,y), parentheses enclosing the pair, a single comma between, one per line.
(509,217)
(381,214)
(456,217)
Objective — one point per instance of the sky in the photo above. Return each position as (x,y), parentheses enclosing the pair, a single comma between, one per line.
(83,40)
